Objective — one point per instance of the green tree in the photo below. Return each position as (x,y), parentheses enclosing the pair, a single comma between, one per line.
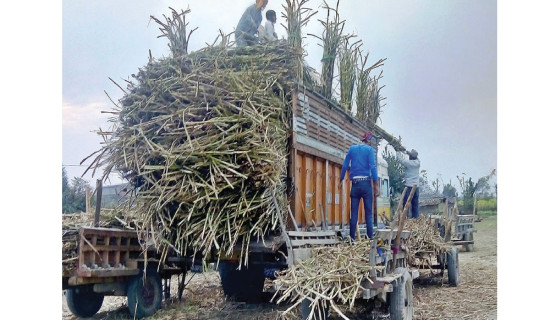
(469,189)
(78,189)
(449,191)
(66,193)
(73,194)
(396,173)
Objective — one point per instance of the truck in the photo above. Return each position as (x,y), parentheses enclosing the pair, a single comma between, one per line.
(112,262)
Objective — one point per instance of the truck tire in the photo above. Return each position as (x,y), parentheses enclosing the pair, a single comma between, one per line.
(83,301)
(244,285)
(145,294)
(469,237)
(401,298)
(452,267)
(305,310)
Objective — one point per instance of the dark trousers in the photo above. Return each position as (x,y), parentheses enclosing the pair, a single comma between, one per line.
(361,190)
(414,202)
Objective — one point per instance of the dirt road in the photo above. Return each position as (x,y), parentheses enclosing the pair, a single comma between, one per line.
(474,298)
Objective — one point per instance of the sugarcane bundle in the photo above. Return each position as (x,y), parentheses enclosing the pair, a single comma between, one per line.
(331,39)
(332,275)
(368,94)
(347,60)
(425,241)
(202,138)
(297,16)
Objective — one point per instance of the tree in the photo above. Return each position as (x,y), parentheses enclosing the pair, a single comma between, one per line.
(74,194)
(396,173)
(66,193)
(79,193)
(449,191)
(469,189)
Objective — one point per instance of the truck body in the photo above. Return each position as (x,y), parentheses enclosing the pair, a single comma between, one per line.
(113,262)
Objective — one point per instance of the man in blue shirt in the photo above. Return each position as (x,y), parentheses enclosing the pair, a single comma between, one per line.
(364,177)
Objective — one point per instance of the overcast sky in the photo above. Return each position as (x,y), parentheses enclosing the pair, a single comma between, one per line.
(440,75)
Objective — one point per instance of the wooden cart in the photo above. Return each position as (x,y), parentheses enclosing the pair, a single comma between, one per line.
(464,232)
(113,262)
(387,288)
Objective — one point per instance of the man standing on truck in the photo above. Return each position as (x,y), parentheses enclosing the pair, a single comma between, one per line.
(364,180)
(412,171)
(245,34)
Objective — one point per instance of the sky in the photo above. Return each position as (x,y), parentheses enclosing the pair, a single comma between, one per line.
(440,75)
(441,99)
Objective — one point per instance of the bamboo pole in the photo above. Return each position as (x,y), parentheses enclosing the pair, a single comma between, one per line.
(402,218)
(99,191)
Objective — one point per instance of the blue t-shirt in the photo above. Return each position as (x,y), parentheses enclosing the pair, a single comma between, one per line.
(361,157)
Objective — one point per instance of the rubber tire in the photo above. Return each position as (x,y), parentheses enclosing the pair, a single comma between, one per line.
(401,298)
(83,301)
(144,299)
(305,310)
(453,267)
(245,285)
(469,237)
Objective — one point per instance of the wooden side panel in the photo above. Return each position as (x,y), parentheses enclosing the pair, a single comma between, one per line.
(336,195)
(309,198)
(299,193)
(319,192)
(329,208)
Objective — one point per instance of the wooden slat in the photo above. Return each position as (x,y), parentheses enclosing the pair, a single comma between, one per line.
(297,243)
(102,248)
(312,234)
(107,273)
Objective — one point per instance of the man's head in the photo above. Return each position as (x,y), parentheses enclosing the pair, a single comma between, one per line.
(367,138)
(261,4)
(271,16)
(413,154)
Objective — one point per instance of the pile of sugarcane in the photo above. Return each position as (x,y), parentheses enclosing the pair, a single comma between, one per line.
(202,138)
(425,241)
(336,273)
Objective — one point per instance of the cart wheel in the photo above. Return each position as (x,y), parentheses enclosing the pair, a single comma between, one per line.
(245,285)
(320,314)
(452,266)
(145,294)
(83,301)
(469,237)
(401,299)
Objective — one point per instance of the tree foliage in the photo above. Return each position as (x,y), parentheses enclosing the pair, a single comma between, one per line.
(449,191)
(396,173)
(73,194)
(470,189)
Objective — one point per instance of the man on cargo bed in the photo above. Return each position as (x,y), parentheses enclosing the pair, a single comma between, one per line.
(245,34)
(412,170)
(364,181)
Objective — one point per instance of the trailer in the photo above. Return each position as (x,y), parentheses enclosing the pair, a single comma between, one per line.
(464,231)
(113,262)
(389,288)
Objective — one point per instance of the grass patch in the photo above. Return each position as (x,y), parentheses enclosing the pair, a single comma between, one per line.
(487,213)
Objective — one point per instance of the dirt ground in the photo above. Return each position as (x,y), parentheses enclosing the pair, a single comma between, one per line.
(474,298)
